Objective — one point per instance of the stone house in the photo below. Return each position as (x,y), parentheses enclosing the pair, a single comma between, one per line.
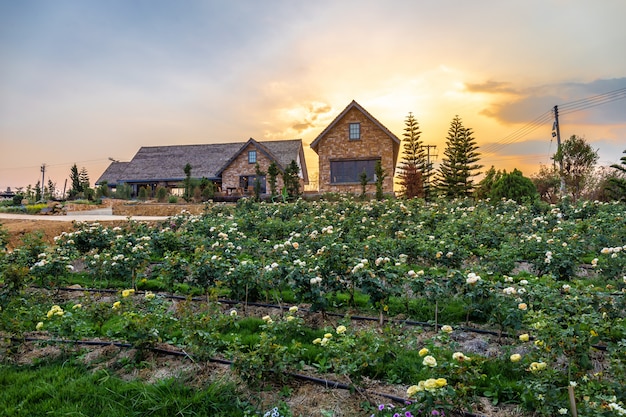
(230,166)
(351,145)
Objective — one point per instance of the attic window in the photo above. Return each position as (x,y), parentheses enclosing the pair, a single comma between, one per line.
(355,131)
(252,157)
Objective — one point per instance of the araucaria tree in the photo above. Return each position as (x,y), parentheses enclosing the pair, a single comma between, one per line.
(577,159)
(459,163)
(619,181)
(414,172)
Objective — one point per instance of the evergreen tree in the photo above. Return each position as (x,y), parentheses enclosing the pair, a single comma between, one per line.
(459,162)
(83,177)
(514,186)
(291,179)
(413,168)
(257,181)
(618,183)
(188,191)
(272,174)
(77,187)
(483,190)
(380,178)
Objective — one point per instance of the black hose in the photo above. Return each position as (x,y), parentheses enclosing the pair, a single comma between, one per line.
(319,381)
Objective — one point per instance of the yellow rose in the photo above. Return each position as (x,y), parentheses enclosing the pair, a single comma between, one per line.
(341,329)
(412,390)
(116,305)
(446,329)
(293,309)
(522,306)
(429,361)
(430,384)
(328,336)
(423,352)
(317,341)
(516,357)
(39,325)
(441,382)
(524,337)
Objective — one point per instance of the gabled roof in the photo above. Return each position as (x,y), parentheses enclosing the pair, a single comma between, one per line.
(280,151)
(353,105)
(167,163)
(113,173)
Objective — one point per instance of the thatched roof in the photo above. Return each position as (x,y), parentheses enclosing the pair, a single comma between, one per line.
(167,163)
(113,173)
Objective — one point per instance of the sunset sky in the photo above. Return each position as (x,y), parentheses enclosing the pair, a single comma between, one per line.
(82,81)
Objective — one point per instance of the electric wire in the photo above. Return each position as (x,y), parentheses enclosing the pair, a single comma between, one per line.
(564,109)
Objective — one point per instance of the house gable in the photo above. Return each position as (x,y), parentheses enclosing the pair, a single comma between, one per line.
(340,157)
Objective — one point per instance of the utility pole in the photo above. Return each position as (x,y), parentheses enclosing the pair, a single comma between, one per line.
(43,179)
(558,147)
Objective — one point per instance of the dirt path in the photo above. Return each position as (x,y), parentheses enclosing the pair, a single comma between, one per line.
(20,225)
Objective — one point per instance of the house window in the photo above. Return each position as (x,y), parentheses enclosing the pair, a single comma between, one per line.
(252,157)
(349,171)
(246,183)
(355,131)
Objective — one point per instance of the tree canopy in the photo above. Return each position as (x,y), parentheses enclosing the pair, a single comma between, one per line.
(459,163)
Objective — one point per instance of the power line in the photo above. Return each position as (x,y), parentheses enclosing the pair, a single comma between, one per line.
(567,108)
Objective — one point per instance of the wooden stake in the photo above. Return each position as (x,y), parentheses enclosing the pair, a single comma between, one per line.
(572,401)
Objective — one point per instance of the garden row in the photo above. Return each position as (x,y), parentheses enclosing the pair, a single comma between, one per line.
(550,275)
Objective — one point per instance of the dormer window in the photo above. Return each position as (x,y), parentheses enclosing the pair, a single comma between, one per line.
(355,131)
(252,157)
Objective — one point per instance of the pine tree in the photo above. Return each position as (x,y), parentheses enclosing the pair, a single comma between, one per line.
(619,181)
(459,162)
(83,178)
(77,187)
(413,169)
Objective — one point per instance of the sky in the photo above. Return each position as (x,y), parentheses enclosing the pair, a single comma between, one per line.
(82,81)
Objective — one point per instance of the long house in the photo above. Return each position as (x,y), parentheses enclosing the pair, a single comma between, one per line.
(230,166)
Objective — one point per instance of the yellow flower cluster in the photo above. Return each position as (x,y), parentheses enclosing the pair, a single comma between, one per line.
(55,310)
(459,356)
(149,295)
(268,320)
(537,366)
(430,385)
(323,341)
(341,329)
(126,293)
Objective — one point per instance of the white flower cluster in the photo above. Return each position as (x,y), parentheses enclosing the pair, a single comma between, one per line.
(360,266)
(621,411)
(613,251)
(269,268)
(472,278)
(548,257)
(315,281)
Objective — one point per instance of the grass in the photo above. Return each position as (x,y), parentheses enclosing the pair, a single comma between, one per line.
(60,389)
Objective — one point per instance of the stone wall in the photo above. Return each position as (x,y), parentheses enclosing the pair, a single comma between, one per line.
(335,145)
(240,166)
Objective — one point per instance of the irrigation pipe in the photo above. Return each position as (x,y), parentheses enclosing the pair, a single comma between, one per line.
(329,384)
(286,307)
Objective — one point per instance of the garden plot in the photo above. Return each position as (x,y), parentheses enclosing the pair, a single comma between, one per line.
(449,266)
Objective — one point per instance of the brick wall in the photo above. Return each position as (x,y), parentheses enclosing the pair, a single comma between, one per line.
(240,166)
(374,143)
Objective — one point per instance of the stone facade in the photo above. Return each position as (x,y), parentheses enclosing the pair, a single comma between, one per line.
(240,166)
(375,143)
